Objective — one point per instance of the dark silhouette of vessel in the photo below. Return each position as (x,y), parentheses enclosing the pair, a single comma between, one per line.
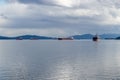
(95,38)
(69,38)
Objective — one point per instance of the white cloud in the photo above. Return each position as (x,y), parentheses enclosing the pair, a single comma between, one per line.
(67,3)
(65,15)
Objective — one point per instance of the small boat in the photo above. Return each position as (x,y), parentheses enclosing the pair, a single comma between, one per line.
(69,38)
(95,38)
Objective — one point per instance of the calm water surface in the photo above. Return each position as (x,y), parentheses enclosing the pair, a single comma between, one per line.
(59,60)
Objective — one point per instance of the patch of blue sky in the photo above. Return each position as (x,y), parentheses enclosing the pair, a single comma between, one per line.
(2,2)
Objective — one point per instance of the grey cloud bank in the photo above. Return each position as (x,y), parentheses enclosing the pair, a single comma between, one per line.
(59,17)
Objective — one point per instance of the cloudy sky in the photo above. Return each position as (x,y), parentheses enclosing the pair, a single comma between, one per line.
(59,17)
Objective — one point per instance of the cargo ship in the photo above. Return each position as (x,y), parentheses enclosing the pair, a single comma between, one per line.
(69,38)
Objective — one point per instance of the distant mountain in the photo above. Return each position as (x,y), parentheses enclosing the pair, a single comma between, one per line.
(3,37)
(109,36)
(118,38)
(84,36)
(32,37)
(90,36)
(25,37)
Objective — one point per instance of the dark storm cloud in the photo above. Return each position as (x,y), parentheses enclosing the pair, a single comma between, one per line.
(43,2)
(31,1)
(27,1)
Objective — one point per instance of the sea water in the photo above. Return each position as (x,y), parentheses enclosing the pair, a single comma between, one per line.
(59,60)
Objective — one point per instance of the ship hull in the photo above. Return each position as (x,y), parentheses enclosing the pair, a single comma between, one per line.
(95,38)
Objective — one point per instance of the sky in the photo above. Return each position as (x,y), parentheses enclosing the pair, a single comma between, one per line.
(59,17)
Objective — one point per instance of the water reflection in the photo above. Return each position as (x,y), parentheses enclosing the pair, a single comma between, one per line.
(59,60)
